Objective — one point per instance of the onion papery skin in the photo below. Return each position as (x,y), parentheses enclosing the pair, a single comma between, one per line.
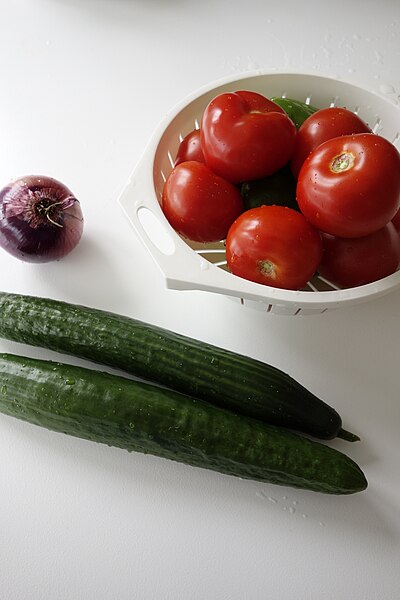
(40,219)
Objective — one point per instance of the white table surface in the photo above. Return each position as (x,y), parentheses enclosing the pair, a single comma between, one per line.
(83,85)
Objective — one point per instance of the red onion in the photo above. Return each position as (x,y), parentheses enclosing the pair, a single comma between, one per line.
(40,219)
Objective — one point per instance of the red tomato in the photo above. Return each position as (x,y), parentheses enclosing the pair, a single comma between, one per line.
(200,205)
(396,221)
(349,262)
(245,136)
(273,245)
(190,148)
(350,185)
(324,125)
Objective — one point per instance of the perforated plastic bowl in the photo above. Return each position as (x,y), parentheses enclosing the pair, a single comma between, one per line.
(193,266)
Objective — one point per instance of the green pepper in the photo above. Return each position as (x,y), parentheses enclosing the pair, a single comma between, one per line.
(296,110)
(278,188)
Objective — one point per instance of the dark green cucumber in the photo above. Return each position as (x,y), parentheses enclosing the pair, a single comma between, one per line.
(296,110)
(229,380)
(278,189)
(145,418)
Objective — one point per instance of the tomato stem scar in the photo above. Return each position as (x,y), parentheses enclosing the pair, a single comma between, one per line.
(342,162)
(267,268)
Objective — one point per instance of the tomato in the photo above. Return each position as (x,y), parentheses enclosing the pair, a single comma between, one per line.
(349,262)
(273,245)
(198,204)
(396,221)
(324,125)
(190,148)
(350,185)
(245,136)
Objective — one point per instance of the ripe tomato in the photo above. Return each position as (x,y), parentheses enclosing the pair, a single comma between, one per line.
(324,125)
(198,204)
(273,245)
(350,185)
(396,221)
(245,136)
(190,148)
(349,262)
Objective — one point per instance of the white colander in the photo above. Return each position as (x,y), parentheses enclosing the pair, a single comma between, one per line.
(192,266)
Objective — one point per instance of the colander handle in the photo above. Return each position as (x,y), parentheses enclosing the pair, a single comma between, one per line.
(181,267)
(178,263)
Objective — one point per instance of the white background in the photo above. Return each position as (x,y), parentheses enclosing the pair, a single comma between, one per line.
(83,85)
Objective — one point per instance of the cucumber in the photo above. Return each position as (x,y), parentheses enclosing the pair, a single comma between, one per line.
(298,111)
(278,189)
(146,418)
(221,377)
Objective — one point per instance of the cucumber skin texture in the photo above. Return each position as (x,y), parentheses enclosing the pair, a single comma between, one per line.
(141,417)
(192,367)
